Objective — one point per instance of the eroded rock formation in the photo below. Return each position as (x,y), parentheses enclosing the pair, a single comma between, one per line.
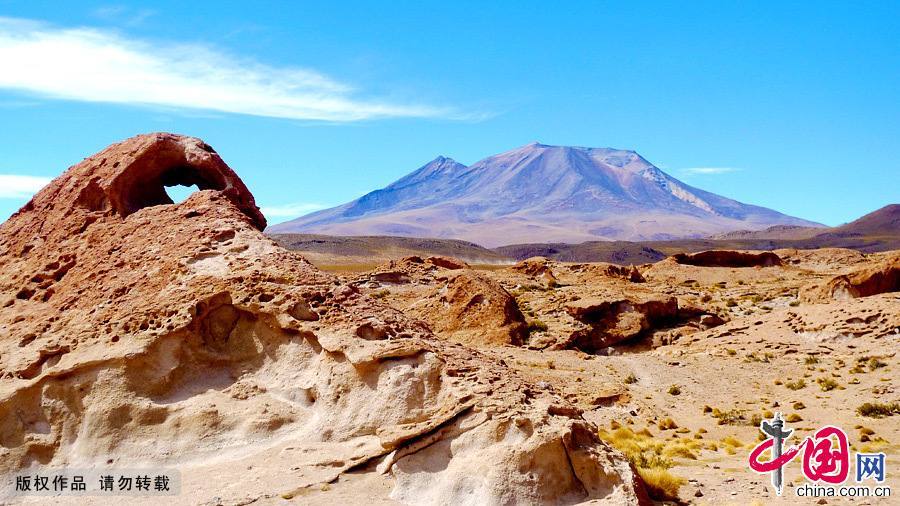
(472,308)
(134,331)
(726,258)
(611,321)
(883,277)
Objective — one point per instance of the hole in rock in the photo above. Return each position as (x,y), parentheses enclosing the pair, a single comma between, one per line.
(148,184)
(179,193)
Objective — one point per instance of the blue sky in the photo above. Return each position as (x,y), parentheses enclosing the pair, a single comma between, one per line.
(790,105)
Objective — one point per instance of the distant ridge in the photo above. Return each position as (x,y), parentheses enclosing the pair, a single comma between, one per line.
(541,193)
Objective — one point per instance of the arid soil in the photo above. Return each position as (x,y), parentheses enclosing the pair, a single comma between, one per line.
(684,360)
(135,332)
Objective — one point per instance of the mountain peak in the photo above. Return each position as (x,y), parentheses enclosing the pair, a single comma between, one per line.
(540,193)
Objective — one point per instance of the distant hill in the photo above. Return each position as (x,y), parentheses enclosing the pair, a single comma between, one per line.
(883,222)
(331,250)
(876,231)
(776,232)
(616,252)
(540,193)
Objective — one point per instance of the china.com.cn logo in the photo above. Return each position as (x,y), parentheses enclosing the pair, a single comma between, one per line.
(825,458)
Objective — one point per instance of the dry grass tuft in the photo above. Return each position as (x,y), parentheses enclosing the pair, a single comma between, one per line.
(661,484)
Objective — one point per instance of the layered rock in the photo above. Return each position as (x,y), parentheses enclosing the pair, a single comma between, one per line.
(883,277)
(139,332)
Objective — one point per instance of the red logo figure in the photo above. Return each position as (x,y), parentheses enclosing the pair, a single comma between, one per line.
(822,462)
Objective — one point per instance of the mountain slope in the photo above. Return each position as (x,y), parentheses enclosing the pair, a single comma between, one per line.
(540,193)
(884,221)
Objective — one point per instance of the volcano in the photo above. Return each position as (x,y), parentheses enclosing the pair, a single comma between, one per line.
(540,193)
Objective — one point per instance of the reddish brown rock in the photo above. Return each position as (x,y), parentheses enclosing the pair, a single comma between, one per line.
(725,258)
(447,262)
(474,309)
(613,321)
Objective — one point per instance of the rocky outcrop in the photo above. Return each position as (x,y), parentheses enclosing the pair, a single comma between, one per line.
(725,258)
(539,269)
(629,273)
(471,308)
(447,263)
(611,321)
(871,280)
(413,269)
(135,331)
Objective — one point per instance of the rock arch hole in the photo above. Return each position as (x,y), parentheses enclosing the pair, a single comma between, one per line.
(165,184)
(179,193)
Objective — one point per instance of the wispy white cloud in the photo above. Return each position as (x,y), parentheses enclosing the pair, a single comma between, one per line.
(123,14)
(293,210)
(693,171)
(93,65)
(14,186)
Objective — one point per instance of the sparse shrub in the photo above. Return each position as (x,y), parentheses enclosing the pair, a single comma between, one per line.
(630,379)
(380,294)
(878,409)
(793,417)
(666,424)
(875,363)
(794,303)
(661,484)
(537,326)
(730,444)
(730,417)
(811,360)
(731,352)
(796,385)
(706,297)
(730,303)
(674,390)
(827,384)
(681,449)
(798,405)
